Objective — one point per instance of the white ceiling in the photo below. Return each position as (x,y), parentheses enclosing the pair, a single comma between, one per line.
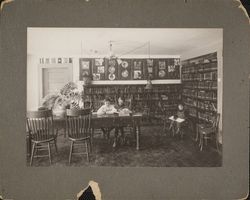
(95,41)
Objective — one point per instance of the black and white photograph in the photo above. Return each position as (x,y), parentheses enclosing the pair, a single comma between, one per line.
(117,100)
(154,100)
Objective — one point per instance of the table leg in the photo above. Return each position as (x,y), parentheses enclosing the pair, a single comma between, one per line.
(91,139)
(137,128)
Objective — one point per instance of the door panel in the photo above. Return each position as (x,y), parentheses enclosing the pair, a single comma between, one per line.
(54,79)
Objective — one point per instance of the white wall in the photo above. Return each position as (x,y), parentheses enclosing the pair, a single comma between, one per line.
(33,79)
(33,74)
(216,46)
(32,82)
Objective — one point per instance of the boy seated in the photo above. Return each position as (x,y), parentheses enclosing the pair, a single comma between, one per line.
(107,108)
(176,120)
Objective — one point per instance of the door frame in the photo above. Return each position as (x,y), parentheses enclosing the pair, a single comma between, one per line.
(41,67)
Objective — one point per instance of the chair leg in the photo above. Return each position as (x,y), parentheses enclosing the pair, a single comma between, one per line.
(181,133)
(87,149)
(71,150)
(55,146)
(201,139)
(49,153)
(32,154)
(197,134)
(164,126)
(217,145)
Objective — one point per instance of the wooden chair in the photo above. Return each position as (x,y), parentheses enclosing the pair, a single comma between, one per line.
(78,126)
(41,132)
(206,131)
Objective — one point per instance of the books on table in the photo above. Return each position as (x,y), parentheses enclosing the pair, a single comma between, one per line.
(179,120)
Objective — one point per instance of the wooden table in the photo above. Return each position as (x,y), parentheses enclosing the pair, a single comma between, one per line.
(114,120)
(110,121)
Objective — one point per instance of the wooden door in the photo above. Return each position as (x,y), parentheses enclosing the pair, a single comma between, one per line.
(53,78)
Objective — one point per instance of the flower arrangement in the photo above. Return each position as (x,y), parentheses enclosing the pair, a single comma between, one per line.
(68,97)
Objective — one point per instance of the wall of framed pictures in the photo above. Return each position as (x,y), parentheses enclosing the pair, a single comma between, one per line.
(129,68)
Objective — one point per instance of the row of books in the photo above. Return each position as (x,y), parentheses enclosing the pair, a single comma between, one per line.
(189,92)
(205,116)
(209,95)
(131,89)
(206,105)
(190,102)
(208,76)
(129,69)
(207,85)
(199,68)
(159,97)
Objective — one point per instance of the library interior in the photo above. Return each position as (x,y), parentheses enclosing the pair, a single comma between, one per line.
(125,97)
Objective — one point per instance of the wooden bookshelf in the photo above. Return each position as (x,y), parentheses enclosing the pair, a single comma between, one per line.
(199,81)
(160,100)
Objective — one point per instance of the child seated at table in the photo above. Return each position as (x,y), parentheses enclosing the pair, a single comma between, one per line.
(107,108)
(176,120)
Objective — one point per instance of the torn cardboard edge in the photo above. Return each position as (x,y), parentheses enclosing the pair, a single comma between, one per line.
(95,189)
(4,2)
(244,10)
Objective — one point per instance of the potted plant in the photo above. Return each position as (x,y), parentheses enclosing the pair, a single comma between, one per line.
(62,100)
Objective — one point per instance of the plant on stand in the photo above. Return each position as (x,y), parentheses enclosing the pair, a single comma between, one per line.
(68,97)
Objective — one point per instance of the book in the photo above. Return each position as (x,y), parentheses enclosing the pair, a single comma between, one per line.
(179,120)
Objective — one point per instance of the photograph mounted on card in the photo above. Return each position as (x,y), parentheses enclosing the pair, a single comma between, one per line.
(85,67)
(137,74)
(177,61)
(99,68)
(96,77)
(162,67)
(99,61)
(138,69)
(59,60)
(47,61)
(112,71)
(149,69)
(173,71)
(124,69)
(85,64)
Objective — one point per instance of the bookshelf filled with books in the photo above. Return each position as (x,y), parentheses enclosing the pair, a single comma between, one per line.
(159,101)
(199,81)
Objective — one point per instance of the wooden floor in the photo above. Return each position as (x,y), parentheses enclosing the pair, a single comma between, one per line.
(158,149)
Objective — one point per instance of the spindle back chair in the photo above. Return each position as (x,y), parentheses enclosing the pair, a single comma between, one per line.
(41,132)
(78,126)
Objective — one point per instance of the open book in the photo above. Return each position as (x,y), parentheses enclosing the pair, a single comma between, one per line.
(177,119)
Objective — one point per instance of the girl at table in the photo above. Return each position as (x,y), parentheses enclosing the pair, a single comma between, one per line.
(174,125)
(121,108)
